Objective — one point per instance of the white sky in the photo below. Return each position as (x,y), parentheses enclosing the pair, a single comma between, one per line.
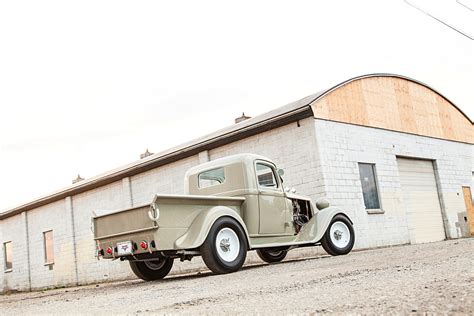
(87,86)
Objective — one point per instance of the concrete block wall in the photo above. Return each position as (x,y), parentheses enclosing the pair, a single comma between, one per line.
(110,197)
(2,259)
(56,218)
(14,229)
(292,147)
(168,179)
(342,146)
(453,167)
(319,157)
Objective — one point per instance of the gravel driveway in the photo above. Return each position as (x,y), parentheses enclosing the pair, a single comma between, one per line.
(436,277)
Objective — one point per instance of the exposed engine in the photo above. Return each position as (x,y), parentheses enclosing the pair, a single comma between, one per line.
(301,213)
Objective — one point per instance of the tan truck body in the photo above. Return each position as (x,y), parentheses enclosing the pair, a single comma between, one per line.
(244,188)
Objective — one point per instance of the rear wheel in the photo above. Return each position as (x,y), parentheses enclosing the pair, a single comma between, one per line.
(225,247)
(272,255)
(152,269)
(339,237)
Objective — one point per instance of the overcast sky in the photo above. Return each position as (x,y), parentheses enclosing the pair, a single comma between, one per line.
(87,86)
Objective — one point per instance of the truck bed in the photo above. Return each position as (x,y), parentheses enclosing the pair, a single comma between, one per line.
(176,214)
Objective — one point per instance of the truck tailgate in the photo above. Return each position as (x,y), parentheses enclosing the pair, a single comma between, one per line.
(122,222)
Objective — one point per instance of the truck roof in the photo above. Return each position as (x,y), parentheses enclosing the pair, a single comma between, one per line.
(249,158)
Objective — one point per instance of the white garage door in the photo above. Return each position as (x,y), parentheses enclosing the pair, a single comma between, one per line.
(420,197)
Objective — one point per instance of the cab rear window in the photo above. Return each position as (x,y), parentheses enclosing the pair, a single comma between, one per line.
(211,178)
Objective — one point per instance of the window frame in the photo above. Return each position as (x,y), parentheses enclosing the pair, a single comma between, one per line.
(208,170)
(5,262)
(378,210)
(45,248)
(275,176)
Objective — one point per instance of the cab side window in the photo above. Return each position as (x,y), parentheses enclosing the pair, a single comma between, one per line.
(266,176)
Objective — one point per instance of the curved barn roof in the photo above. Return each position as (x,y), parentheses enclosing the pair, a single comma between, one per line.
(394,103)
(339,85)
(281,116)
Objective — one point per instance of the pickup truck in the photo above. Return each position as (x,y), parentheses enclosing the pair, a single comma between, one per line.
(231,205)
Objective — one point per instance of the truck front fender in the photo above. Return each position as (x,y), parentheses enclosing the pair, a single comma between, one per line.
(200,227)
(317,226)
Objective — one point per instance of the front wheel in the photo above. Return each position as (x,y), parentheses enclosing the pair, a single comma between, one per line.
(225,247)
(152,269)
(339,237)
(271,255)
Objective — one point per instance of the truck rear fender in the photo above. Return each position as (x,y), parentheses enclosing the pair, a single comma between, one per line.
(317,226)
(200,227)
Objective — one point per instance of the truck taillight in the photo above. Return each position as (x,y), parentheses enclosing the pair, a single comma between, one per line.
(144,245)
(110,250)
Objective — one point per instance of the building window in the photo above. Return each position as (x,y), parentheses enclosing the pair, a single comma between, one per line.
(211,177)
(266,176)
(7,252)
(369,186)
(48,247)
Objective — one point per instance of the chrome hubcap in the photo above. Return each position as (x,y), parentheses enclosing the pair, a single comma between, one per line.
(225,244)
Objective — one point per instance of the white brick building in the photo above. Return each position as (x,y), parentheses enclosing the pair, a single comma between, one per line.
(386,148)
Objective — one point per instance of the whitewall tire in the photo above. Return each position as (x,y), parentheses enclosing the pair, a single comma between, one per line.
(225,247)
(339,237)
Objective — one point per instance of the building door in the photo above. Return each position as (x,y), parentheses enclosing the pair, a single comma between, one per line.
(469,208)
(421,200)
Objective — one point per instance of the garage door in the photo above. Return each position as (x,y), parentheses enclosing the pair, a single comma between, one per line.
(421,201)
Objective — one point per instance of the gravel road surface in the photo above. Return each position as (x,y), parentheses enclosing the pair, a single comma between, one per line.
(436,277)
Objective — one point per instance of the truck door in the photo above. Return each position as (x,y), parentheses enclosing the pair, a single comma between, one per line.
(272,207)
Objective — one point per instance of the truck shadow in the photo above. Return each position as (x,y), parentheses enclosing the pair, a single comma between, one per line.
(252,266)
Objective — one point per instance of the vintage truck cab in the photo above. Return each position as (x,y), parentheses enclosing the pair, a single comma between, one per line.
(231,205)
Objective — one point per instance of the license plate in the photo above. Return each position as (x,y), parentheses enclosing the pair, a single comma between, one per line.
(124,248)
